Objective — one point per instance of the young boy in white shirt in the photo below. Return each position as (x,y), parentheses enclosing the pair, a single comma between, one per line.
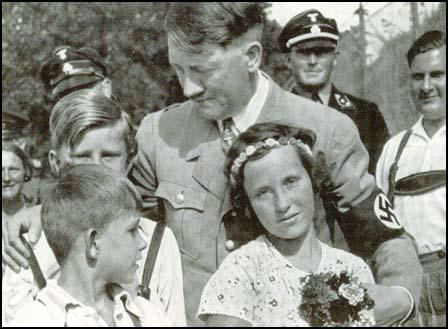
(91,221)
(88,127)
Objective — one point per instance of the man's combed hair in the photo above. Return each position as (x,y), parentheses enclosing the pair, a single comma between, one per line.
(79,112)
(86,196)
(426,42)
(194,24)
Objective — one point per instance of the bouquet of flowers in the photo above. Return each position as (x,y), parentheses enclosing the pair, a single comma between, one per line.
(335,300)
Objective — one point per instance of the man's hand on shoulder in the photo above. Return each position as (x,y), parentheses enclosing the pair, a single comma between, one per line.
(14,253)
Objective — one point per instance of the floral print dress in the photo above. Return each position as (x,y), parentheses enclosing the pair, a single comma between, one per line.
(257,284)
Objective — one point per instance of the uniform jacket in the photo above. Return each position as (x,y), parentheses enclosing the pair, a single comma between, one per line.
(367,118)
(180,159)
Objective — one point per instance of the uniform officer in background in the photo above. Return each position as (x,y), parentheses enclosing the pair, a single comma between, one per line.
(310,40)
(69,69)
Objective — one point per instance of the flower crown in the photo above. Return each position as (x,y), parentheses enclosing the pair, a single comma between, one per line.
(269,143)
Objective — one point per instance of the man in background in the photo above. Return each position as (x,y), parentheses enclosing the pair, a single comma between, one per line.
(310,41)
(412,170)
(68,69)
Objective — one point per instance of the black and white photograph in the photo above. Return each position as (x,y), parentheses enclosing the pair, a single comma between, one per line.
(223,164)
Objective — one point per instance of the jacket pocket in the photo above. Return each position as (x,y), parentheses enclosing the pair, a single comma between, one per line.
(184,209)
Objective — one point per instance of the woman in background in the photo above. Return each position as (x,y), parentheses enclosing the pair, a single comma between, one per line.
(16,170)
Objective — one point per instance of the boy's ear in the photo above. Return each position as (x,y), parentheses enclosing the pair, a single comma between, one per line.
(92,244)
(254,52)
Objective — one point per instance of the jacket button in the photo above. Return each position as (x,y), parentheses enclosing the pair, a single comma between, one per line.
(180,198)
(230,245)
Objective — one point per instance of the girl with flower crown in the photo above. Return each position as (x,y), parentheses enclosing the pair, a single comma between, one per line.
(273,188)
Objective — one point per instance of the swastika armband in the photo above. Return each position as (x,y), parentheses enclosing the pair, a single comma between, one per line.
(370,223)
(384,211)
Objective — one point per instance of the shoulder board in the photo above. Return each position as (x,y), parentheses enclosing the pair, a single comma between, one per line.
(343,101)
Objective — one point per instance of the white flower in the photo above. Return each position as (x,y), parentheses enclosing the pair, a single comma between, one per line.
(241,158)
(250,150)
(352,292)
(271,142)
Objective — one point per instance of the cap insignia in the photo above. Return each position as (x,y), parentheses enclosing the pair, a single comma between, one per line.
(62,54)
(315,29)
(313,17)
(67,68)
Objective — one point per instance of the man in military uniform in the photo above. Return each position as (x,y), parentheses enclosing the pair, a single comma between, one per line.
(215,49)
(310,40)
(68,69)
(216,52)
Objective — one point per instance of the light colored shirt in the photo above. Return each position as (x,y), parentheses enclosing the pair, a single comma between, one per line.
(54,307)
(257,284)
(424,215)
(249,116)
(166,282)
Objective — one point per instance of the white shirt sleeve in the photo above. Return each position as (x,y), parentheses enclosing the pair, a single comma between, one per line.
(34,314)
(153,316)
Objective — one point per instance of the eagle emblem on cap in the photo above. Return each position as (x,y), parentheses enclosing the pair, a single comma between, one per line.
(67,69)
(312,17)
(62,54)
(315,29)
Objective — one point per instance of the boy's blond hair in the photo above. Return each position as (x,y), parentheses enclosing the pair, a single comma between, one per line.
(85,196)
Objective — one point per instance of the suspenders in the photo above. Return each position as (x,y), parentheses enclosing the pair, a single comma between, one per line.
(151,257)
(143,289)
(394,168)
(414,184)
(34,265)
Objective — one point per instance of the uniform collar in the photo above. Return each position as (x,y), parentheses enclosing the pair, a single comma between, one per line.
(339,100)
(249,116)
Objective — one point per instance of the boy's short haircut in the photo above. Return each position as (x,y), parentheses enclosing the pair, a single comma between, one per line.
(86,196)
(195,24)
(426,42)
(81,111)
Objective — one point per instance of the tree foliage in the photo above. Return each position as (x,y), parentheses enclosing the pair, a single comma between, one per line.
(129,36)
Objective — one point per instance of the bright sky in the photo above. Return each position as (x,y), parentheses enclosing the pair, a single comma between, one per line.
(342,12)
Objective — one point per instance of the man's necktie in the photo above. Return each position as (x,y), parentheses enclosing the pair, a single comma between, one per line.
(228,134)
(315,97)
